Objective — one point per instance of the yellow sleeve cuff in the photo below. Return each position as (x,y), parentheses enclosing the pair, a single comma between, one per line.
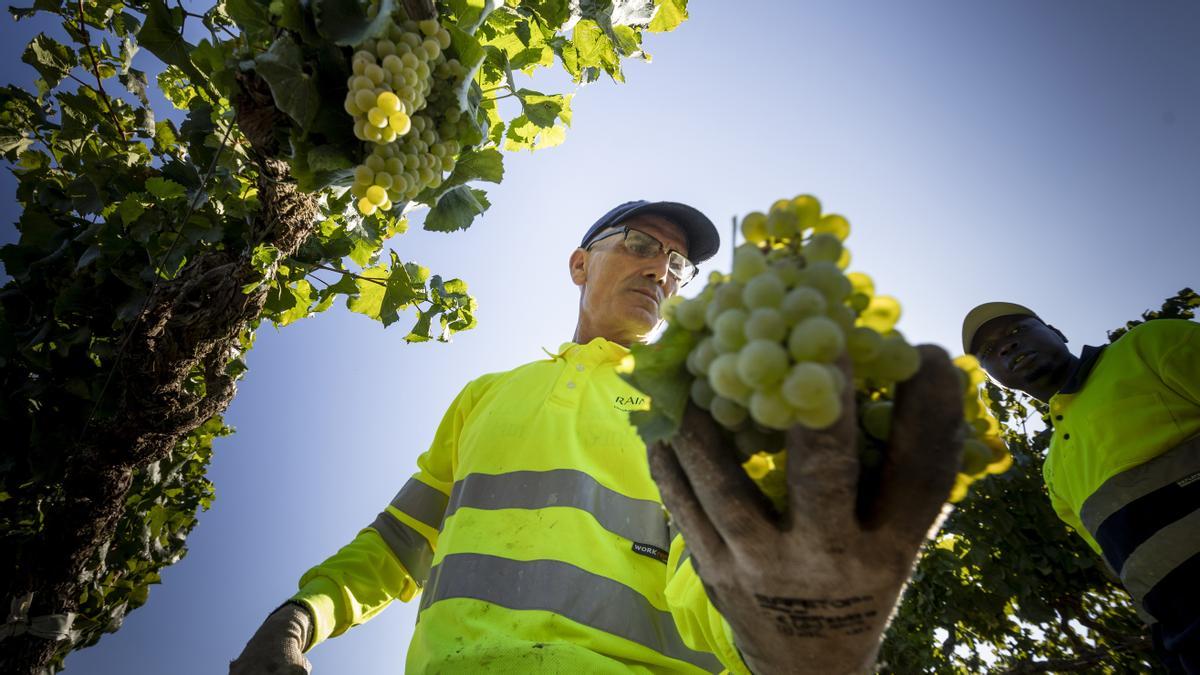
(320,596)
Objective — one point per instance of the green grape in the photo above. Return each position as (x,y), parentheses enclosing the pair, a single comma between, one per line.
(823,248)
(822,416)
(393,65)
(782,224)
(762,363)
(858,302)
(754,228)
(394,166)
(376,163)
(882,313)
(366,206)
(768,408)
(705,352)
(764,290)
(388,102)
(443,38)
(690,315)
(728,295)
(363,174)
(730,327)
(385,48)
(383,179)
(364,99)
(702,393)
(808,210)
(276,8)
(897,360)
(844,316)
(766,323)
(861,283)
(975,456)
(863,344)
(876,419)
(428,26)
(800,303)
(788,270)
(834,225)
(724,378)
(377,117)
(728,413)
(376,195)
(816,339)
(375,73)
(843,260)
(748,263)
(827,278)
(399,123)
(808,385)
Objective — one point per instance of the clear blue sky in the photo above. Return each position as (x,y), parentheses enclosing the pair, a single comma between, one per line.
(1042,152)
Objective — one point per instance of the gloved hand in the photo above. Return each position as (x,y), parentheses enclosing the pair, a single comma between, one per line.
(812,591)
(278,645)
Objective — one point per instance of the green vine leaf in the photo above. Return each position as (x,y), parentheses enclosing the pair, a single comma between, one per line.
(456,209)
(52,59)
(295,93)
(668,14)
(161,35)
(345,22)
(659,371)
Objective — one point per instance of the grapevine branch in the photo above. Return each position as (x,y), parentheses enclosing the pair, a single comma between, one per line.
(87,47)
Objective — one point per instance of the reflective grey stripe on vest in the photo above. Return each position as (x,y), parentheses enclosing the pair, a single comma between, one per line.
(639,520)
(565,590)
(421,502)
(409,546)
(1137,482)
(1167,549)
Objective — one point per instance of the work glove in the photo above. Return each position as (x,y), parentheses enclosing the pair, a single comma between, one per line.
(812,590)
(278,645)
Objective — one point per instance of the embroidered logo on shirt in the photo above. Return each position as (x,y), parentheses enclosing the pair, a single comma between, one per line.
(650,551)
(631,403)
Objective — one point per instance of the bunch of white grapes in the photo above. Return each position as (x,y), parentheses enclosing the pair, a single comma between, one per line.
(772,335)
(394,81)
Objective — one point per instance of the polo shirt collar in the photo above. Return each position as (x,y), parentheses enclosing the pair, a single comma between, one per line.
(599,350)
(1087,361)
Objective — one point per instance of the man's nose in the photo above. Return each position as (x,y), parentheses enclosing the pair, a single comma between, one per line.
(660,269)
(1008,347)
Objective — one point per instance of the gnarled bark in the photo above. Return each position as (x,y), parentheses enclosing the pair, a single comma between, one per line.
(190,323)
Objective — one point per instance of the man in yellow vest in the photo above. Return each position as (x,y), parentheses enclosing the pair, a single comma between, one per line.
(537,537)
(1123,467)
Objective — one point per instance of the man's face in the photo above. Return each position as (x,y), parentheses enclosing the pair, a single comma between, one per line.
(622,292)
(1021,352)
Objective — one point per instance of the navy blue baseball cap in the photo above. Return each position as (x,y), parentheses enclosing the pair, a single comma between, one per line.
(701,234)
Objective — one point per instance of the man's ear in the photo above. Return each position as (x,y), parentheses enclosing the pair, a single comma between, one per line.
(578,266)
(1058,333)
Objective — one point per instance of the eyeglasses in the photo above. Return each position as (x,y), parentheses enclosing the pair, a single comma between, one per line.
(644,245)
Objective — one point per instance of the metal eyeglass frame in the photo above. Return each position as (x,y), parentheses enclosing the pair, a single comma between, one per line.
(672,254)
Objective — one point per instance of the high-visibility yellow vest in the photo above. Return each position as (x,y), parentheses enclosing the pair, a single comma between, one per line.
(536,537)
(1123,468)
